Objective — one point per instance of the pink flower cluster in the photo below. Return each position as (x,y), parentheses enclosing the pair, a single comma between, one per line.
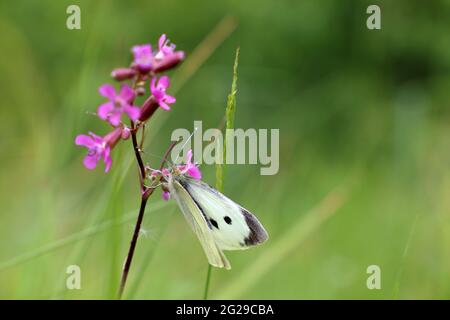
(189,168)
(164,58)
(146,65)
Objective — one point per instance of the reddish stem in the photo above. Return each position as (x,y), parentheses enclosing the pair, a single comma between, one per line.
(129,259)
(146,192)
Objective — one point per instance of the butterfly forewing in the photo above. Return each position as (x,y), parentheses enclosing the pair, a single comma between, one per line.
(199,224)
(232,227)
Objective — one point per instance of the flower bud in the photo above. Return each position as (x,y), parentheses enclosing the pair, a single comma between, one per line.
(126,133)
(148,108)
(168,62)
(140,91)
(113,137)
(123,73)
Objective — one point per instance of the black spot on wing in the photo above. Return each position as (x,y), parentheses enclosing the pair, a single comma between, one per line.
(257,232)
(214,223)
(227,219)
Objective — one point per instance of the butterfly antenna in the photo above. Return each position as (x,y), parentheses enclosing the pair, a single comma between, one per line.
(185,143)
(156,156)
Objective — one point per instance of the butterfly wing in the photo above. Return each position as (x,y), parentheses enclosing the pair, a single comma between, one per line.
(233,227)
(199,224)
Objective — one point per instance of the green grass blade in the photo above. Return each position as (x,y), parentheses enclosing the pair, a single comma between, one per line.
(220,168)
(399,274)
(229,116)
(208,280)
(231,101)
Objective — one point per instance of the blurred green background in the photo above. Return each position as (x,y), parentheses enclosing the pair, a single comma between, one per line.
(364,173)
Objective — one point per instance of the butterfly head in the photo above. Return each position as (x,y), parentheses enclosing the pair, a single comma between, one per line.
(189,169)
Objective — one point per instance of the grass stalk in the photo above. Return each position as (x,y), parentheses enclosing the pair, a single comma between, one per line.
(220,167)
(399,274)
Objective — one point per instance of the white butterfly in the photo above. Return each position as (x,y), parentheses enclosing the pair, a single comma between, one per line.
(219,223)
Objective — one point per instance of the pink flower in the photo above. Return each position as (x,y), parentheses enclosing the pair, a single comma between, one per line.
(190,168)
(166,57)
(118,104)
(156,174)
(159,92)
(143,57)
(165,47)
(98,148)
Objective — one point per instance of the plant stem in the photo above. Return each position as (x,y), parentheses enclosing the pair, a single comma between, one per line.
(127,265)
(208,278)
(137,152)
(146,192)
(137,227)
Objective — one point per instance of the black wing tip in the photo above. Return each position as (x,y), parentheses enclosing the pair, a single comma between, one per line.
(257,234)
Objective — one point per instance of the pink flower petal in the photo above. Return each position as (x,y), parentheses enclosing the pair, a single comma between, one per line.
(136,50)
(141,51)
(107,159)
(104,110)
(195,172)
(84,140)
(133,112)
(97,139)
(152,85)
(189,157)
(179,55)
(126,93)
(164,82)
(90,162)
(143,57)
(161,41)
(114,118)
(164,106)
(107,91)
(169,99)
(159,95)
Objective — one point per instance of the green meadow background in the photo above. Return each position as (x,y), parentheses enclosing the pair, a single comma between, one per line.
(364,123)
